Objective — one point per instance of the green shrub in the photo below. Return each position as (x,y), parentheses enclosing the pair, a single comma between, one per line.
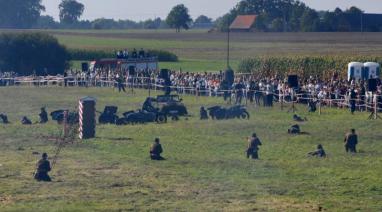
(27,53)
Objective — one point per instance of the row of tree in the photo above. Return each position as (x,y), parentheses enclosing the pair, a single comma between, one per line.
(23,14)
(177,18)
(26,13)
(293,16)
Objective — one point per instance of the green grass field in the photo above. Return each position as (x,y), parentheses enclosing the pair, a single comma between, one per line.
(205,170)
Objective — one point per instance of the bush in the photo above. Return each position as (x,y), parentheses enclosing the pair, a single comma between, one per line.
(303,66)
(26,53)
(164,56)
(79,54)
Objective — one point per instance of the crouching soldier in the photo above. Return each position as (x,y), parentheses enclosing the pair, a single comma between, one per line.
(4,118)
(156,150)
(203,114)
(253,147)
(320,152)
(43,167)
(26,121)
(298,118)
(295,129)
(43,116)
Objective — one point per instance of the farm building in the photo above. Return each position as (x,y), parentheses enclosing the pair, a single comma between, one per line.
(243,23)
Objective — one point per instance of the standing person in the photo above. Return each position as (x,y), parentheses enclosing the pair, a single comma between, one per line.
(351,141)
(239,87)
(352,100)
(121,86)
(251,91)
(42,169)
(253,147)
(156,150)
(43,116)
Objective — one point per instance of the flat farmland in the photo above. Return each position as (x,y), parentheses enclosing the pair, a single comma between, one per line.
(200,50)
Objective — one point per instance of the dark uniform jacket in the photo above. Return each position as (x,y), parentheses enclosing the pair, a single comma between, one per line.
(43,167)
(43,117)
(156,149)
(351,140)
(253,144)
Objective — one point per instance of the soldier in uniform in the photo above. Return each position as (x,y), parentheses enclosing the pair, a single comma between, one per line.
(294,129)
(156,150)
(320,152)
(43,116)
(42,169)
(203,114)
(253,147)
(351,141)
(26,121)
(4,118)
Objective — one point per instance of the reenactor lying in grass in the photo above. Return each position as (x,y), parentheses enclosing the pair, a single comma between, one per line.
(26,121)
(156,150)
(42,169)
(295,129)
(320,152)
(298,118)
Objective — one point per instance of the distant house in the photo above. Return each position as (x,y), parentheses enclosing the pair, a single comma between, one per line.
(243,23)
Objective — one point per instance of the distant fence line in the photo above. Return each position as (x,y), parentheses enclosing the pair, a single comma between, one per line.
(370,102)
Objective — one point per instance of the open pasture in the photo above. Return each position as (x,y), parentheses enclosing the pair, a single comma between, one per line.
(205,170)
(199,50)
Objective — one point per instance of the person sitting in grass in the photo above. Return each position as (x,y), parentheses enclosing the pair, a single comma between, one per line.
(156,150)
(320,152)
(203,114)
(4,118)
(43,167)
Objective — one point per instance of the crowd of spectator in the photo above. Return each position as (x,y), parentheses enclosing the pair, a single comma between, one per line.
(134,54)
(245,87)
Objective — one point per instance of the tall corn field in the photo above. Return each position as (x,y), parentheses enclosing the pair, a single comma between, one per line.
(322,66)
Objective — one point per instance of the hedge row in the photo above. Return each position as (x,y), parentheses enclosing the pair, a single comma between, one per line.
(79,54)
(303,66)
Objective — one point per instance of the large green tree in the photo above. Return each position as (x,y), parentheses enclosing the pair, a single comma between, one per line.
(19,13)
(179,18)
(26,53)
(70,11)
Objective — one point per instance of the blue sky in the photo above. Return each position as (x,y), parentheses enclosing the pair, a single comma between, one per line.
(144,9)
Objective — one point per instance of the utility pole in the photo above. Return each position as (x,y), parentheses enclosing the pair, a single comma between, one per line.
(228,40)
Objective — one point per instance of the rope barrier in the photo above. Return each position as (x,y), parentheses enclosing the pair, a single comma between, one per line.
(152,82)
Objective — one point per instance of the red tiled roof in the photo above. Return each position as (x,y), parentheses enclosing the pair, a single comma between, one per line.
(243,22)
